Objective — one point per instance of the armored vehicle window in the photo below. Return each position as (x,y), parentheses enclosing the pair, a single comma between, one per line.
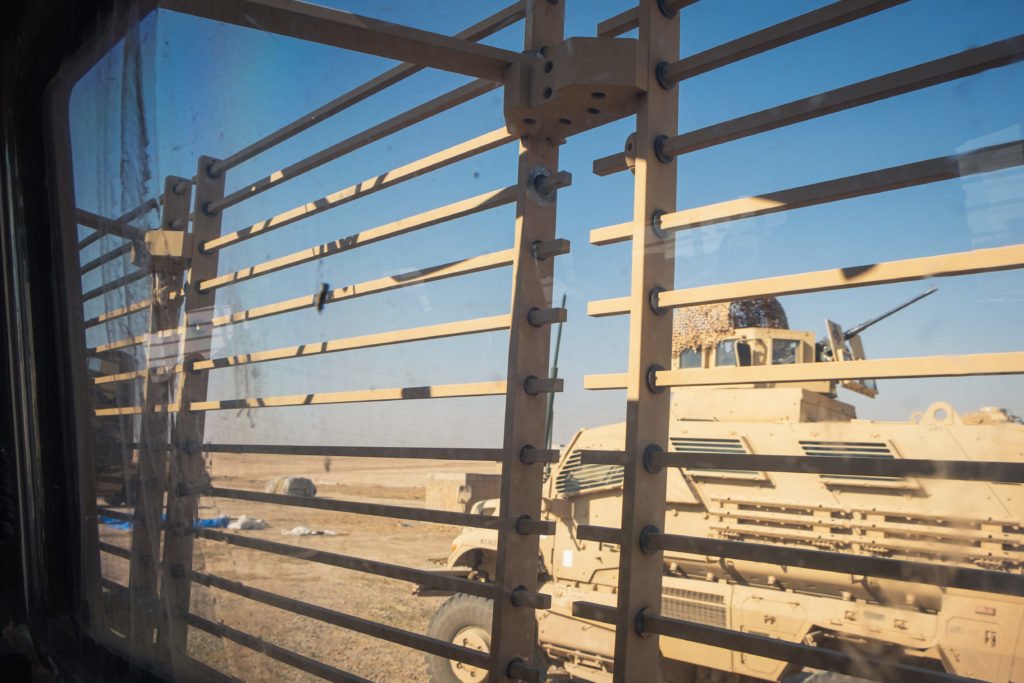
(725,352)
(690,358)
(744,354)
(784,351)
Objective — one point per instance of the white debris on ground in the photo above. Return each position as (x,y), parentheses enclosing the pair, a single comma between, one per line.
(247,523)
(306,531)
(292,486)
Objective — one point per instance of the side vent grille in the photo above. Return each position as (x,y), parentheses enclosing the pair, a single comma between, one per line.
(716,446)
(702,608)
(575,477)
(859,449)
(863,449)
(695,445)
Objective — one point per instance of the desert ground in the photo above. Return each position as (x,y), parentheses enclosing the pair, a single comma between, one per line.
(412,544)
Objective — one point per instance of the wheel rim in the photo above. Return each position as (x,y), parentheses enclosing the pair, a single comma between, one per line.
(473,638)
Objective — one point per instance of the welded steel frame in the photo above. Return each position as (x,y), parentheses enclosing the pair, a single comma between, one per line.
(633,619)
(649,304)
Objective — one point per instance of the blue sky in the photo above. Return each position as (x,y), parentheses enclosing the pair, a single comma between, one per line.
(211,89)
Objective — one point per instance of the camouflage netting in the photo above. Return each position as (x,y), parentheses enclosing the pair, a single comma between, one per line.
(704,326)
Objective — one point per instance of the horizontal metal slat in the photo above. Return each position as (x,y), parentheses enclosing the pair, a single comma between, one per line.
(446,157)
(476,264)
(374,509)
(115,550)
(989,260)
(1005,472)
(1009,363)
(121,344)
(454,211)
(162,337)
(389,633)
(603,457)
(782,33)
(285,656)
(440,331)
(118,227)
(772,648)
(615,380)
(107,257)
(942,70)
(486,27)
(630,19)
(134,375)
(482,454)
(982,160)
(116,283)
(121,312)
(114,514)
(424,111)
(364,396)
(887,272)
(133,410)
(606,307)
(328,26)
(623,22)
(390,571)
(935,72)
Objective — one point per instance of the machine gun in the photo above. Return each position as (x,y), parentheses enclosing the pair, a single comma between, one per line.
(841,346)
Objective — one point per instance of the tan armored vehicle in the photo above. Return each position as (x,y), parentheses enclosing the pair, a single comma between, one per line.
(962,523)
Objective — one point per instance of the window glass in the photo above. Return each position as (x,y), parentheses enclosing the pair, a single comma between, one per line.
(784,351)
(725,353)
(293,352)
(690,358)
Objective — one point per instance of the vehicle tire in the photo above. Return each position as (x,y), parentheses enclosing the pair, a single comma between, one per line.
(464,620)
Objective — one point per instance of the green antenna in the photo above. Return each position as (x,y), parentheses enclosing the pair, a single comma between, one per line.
(554,373)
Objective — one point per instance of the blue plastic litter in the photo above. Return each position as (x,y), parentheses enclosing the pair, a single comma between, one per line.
(214,522)
(116,523)
(220,522)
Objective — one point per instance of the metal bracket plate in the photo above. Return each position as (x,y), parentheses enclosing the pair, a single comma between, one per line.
(163,250)
(576,85)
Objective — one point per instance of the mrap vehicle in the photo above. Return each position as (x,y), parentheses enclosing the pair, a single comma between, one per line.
(970,524)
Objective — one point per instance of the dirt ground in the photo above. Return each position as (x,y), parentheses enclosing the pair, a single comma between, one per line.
(412,544)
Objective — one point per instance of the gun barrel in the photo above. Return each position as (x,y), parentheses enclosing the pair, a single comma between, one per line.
(854,331)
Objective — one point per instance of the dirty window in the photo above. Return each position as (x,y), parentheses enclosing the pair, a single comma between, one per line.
(725,353)
(292,267)
(784,351)
(690,358)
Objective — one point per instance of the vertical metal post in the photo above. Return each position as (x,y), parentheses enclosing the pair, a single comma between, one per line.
(186,471)
(513,634)
(650,341)
(154,430)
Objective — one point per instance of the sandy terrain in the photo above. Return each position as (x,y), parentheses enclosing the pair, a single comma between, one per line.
(412,544)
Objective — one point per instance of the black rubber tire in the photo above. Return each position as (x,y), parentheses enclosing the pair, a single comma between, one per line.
(457,612)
